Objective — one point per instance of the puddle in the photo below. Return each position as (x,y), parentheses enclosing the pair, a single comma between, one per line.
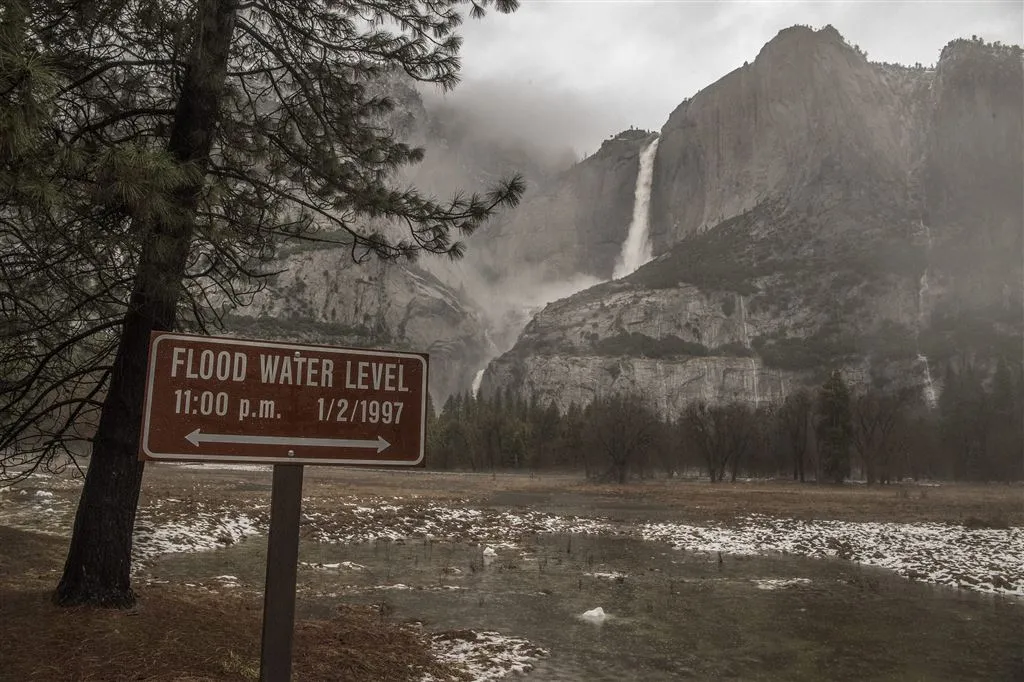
(670,615)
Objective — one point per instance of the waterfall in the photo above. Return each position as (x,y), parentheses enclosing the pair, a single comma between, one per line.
(746,344)
(753,369)
(929,387)
(743,321)
(922,292)
(636,250)
(477,380)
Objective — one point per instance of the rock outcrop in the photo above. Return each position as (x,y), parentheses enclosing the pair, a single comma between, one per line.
(321,297)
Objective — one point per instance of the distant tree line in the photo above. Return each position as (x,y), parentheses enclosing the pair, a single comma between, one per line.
(975,432)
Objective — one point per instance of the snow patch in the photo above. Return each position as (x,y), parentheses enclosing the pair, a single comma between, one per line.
(197,530)
(984,560)
(351,565)
(485,656)
(351,523)
(780,583)
(211,466)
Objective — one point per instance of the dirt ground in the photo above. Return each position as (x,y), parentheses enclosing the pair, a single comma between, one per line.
(180,635)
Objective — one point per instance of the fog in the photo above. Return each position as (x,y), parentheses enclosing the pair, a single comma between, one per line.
(546,119)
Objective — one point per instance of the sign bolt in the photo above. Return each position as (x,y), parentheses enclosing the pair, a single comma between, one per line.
(291,453)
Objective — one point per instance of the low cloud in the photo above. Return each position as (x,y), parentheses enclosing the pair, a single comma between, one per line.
(545,119)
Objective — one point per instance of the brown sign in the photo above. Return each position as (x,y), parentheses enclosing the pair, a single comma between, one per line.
(219,399)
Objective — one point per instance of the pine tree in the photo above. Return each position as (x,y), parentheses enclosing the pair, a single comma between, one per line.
(835,428)
(1006,425)
(187,140)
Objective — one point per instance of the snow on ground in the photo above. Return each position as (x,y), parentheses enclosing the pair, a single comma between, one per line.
(214,466)
(780,583)
(354,523)
(350,565)
(485,656)
(166,528)
(612,575)
(984,560)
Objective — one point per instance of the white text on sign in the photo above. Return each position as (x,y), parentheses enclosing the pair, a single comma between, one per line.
(288,370)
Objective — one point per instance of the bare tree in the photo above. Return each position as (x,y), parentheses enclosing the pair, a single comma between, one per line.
(876,417)
(621,427)
(724,434)
(795,421)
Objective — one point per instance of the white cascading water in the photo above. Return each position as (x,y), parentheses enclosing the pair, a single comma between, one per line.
(746,344)
(922,291)
(636,250)
(477,380)
(743,321)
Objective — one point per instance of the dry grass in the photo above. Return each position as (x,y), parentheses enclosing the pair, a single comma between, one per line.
(994,505)
(180,634)
(987,505)
(976,505)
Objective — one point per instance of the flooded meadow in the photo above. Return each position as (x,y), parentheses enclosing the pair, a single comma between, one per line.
(508,577)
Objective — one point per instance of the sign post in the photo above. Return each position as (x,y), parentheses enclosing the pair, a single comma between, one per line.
(233,400)
(282,563)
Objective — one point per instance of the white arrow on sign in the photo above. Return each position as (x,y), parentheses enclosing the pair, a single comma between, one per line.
(197,437)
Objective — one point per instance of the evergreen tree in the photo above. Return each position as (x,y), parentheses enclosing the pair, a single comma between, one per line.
(187,139)
(835,428)
(1006,425)
(964,407)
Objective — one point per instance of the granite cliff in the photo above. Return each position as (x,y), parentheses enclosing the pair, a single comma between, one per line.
(321,297)
(809,210)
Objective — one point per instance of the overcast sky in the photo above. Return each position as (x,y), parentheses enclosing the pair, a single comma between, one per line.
(576,71)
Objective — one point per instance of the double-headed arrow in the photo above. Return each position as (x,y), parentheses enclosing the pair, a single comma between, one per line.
(197,437)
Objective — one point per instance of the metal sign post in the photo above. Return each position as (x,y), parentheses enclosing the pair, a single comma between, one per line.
(282,563)
(234,400)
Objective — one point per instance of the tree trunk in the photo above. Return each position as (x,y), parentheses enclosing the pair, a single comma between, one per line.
(98,566)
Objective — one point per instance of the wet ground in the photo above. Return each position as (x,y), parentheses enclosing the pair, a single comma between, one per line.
(670,615)
(519,563)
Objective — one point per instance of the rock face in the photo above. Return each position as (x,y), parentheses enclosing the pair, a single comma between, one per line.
(808,116)
(321,297)
(574,225)
(809,210)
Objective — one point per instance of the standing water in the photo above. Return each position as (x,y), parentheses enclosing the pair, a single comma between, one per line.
(636,250)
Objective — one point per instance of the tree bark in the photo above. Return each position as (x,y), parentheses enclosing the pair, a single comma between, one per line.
(98,566)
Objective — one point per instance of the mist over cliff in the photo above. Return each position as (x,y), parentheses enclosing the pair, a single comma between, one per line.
(809,210)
